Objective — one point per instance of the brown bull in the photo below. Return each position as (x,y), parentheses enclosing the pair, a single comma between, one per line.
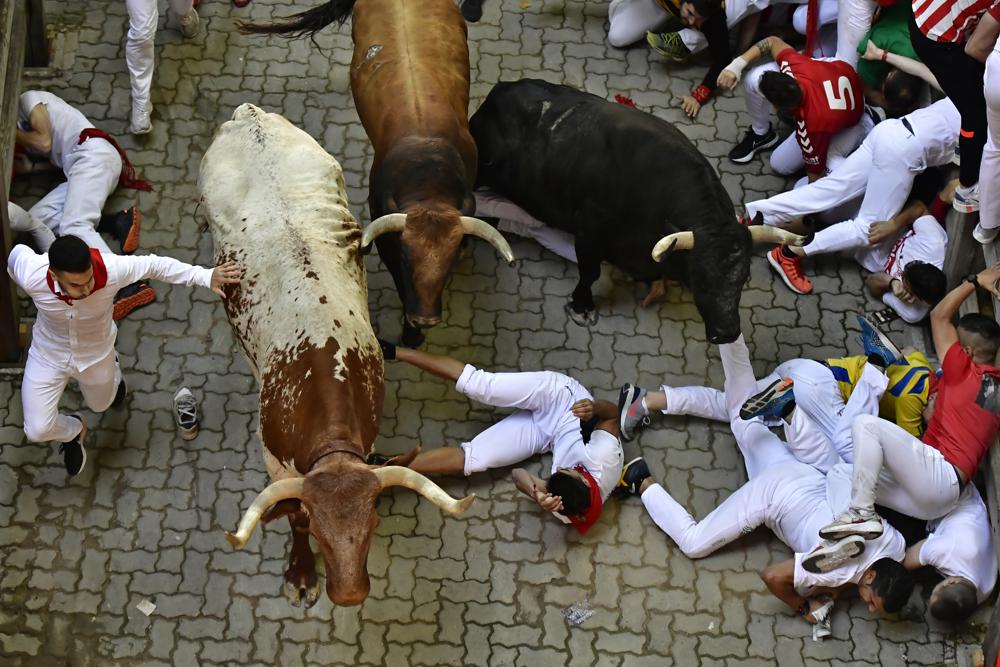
(301,316)
(410,80)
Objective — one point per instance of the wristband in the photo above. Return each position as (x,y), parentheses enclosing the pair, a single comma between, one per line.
(701,94)
(885,55)
(972,279)
(804,608)
(737,67)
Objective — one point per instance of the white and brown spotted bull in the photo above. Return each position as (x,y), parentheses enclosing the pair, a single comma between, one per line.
(410,80)
(276,204)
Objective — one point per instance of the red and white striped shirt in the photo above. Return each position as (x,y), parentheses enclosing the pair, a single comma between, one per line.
(949,20)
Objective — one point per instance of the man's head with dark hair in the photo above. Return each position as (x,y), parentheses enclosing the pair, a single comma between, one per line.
(980,336)
(885,586)
(571,488)
(953,600)
(902,92)
(70,266)
(925,281)
(781,90)
(694,13)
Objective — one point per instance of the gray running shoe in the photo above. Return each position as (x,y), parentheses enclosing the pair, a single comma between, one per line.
(186,413)
(632,413)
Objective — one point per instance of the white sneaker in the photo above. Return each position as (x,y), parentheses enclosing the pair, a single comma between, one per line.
(141,124)
(983,235)
(966,199)
(189,24)
(186,413)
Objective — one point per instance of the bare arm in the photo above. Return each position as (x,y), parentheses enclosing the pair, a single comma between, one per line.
(943,331)
(780,580)
(983,38)
(435,364)
(536,489)
(902,63)
(912,559)
(39,138)
(769,46)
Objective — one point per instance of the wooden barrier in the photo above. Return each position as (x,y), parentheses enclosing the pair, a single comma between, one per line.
(13,40)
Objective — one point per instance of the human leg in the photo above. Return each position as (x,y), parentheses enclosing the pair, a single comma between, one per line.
(511,440)
(534,390)
(846,182)
(515,220)
(440,461)
(864,400)
(23,221)
(629,20)
(758,107)
(99,383)
(899,470)
(897,157)
(740,513)
(91,176)
(42,387)
(139,57)
(989,170)
(854,20)
(807,443)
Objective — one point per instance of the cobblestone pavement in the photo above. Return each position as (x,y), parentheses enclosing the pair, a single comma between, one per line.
(146,518)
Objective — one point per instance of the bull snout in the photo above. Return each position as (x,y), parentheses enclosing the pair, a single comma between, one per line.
(423,321)
(349,597)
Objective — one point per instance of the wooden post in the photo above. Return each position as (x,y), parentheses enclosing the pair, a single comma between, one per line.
(991,254)
(13,29)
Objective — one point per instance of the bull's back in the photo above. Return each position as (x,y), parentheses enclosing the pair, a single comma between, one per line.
(410,70)
(567,156)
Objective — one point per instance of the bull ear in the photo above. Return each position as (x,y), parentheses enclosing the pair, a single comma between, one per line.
(285,507)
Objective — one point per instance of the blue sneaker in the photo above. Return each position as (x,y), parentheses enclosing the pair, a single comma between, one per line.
(878,344)
(776,400)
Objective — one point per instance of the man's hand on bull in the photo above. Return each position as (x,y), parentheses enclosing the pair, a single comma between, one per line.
(656,291)
(227,273)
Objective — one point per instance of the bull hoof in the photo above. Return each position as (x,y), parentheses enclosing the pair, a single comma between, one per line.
(301,594)
(587,318)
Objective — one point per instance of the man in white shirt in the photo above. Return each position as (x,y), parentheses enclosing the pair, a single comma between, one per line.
(73,287)
(140,55)
(555,414)
(790,498)
(57,136)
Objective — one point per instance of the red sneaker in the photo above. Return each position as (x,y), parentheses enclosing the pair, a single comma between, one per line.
(790,271)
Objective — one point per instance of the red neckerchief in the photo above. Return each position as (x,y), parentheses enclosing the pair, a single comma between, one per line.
(127,178)
(583,522)
(100,277)
(897,247)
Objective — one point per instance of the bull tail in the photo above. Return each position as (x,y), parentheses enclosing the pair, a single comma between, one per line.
(304,23)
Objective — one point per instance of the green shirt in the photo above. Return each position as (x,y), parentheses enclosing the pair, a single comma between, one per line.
(892,33)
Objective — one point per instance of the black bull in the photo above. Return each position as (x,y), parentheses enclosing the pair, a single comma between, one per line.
(618,179)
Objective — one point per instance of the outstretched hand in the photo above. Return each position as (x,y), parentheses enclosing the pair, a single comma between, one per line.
(880,231)
(583,409)
(872,52)
(690,105)
(227,273)
(988,279)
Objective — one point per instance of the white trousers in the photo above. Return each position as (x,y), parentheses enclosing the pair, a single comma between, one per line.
(516,220)
(22,221)
(989,170)
(900,471)
(881,170)
(854,20)
(768,468)
(43,385)
(737,10)
(542,399)
(139,53)
(629,20)
(74,206)
(826,45)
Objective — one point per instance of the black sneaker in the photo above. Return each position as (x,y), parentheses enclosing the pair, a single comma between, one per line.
(120,394)
(752,144)
(124,226)
(74,454)
(634,474)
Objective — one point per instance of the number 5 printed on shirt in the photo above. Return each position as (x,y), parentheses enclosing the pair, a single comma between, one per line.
(844,100)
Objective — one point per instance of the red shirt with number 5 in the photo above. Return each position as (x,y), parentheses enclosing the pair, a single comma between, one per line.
(832,99)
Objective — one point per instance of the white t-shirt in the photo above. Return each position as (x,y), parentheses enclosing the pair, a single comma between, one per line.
(937,127)
(800,503)
(67,123)
(960,544)
(889,545)
(925,241)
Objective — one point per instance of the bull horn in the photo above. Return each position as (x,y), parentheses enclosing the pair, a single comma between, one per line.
(393,222)
(671,242)
(273,494)
(487,232)
(772,234)
(411,479)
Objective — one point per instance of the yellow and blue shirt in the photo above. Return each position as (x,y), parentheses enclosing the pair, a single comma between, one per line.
(904,399)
